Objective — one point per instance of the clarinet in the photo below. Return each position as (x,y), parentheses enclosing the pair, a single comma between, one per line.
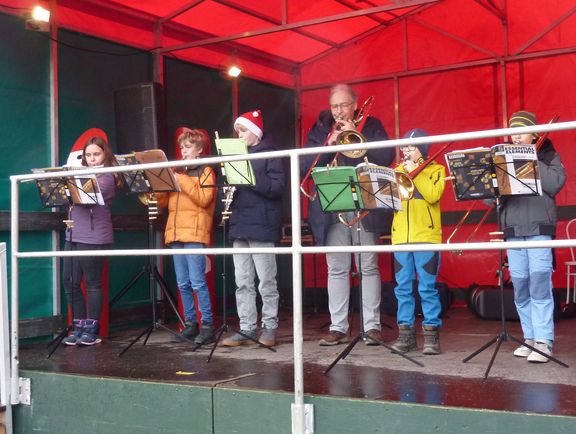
(229,191)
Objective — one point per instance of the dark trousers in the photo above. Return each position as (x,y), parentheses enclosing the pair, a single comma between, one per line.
(89,267)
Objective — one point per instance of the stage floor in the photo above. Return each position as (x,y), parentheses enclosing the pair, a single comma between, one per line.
(370,372)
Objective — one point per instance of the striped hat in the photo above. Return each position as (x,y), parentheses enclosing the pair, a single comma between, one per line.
(523,119)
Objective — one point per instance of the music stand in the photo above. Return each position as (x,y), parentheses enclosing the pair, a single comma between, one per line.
(144,183)
(510,174)
(234,174)
(338,190)
(156,180)
(59,191)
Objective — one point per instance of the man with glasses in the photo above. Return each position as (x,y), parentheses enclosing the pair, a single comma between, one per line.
(329,232)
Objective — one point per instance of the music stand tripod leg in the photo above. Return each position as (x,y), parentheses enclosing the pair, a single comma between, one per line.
(55,343)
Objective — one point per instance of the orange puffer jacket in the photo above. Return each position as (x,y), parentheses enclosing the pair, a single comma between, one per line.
(190,211)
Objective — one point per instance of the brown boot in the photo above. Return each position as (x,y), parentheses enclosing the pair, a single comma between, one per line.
(406,339)
(431,340)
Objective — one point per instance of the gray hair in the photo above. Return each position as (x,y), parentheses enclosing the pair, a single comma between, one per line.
(342,87)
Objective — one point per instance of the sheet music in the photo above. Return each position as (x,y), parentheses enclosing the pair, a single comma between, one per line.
(503,169)
(85,190)
(236,172)
(378,187)
(517,169)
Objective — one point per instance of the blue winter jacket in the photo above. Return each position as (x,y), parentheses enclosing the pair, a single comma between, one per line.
(378,221)
(257,211)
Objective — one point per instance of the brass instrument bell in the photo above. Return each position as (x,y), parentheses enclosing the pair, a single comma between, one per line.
(405,185)
(351,137)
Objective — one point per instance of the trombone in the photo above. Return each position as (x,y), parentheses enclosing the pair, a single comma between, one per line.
(405,180)
(522,172)
(345,137)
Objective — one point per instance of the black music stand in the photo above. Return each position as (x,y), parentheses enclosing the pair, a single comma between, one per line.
(338,190)
(144,183)
(242,175)
(503,174)
(67,191)
(156,180)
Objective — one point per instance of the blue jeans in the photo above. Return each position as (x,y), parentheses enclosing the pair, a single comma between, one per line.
(531,274)
(425,265)
(191,277)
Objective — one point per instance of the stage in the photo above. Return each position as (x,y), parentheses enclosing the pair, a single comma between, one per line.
(367,374)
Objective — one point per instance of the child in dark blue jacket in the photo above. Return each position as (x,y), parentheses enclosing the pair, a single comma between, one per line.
(255,220)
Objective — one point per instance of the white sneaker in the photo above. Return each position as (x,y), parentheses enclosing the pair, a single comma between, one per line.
(523,351)
(537,357)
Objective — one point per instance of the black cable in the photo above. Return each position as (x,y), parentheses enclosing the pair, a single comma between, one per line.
(89,50)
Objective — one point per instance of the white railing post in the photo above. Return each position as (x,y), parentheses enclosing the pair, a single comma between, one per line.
(4,343)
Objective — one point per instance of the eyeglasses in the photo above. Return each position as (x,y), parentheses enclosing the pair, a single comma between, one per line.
(341,106)
(406,149)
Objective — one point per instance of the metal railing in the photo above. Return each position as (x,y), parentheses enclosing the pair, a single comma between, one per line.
(302,414)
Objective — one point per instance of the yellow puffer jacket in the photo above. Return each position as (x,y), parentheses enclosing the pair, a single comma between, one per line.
(190,211)
(420,219)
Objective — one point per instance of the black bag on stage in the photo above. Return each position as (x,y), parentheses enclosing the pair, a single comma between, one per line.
(389,303)
(484,301)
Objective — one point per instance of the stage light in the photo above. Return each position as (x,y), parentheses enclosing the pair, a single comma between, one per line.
(41,14)
(234,71)
(39,20)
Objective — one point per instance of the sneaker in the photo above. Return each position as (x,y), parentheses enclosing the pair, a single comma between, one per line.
(238,339)
(268,337)
(206,335)
(89,333)
(89,339)
(74,337)
(372,337)
(535,357)
(523,351)
(333,338)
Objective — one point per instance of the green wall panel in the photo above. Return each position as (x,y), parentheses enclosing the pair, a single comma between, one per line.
(24,107)
(90,405)
(25,144)
(77,404)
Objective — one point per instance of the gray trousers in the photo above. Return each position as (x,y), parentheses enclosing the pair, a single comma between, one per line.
(246,268)
(339,277)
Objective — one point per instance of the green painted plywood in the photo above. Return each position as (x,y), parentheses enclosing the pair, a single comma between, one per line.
(90,405)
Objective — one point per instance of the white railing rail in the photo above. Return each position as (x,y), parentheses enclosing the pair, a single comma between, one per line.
(302,420)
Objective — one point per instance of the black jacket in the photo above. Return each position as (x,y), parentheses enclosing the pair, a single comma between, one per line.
(378,221)
(257,211)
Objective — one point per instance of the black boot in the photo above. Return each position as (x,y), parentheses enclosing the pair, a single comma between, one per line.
(206,335)
(189,332)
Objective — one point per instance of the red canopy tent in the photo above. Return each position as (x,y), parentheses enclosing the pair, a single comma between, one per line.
(443,65)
